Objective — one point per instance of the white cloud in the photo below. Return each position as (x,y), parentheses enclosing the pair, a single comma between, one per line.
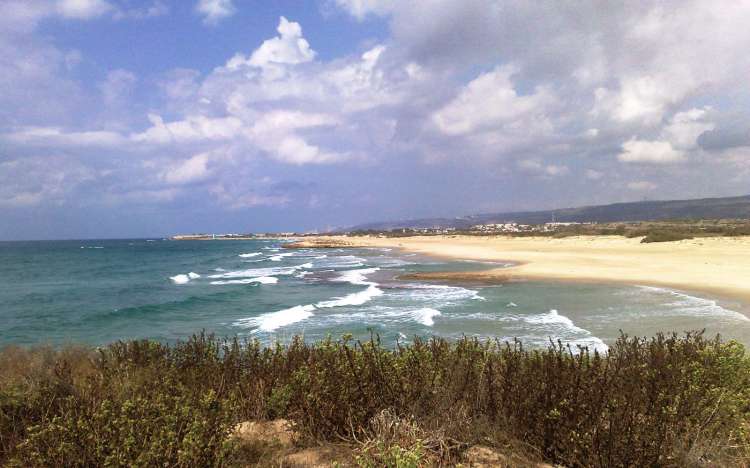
(641,186)
(276,133)
(54,179)
(214,11)
(536,167)
(294,150)
(194,128)
(685,127)
(490,101)
(83,9)
(656,152)
(593,174)
(361,8)
(676,140)
(53,136)
(191,170)
(117,86)
(289,48)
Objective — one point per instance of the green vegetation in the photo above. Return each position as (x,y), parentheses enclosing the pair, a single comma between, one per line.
(665,401)
(651,231)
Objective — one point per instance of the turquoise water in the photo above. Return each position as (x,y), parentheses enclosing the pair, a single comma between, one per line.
(96,292)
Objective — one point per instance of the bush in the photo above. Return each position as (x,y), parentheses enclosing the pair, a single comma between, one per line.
(665,401)
(666,236)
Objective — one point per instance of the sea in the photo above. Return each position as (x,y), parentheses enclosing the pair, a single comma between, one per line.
(96,292)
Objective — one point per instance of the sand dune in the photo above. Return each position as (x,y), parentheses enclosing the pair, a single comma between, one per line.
(715,265)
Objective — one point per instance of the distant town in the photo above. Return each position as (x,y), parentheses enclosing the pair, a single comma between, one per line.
(651,231)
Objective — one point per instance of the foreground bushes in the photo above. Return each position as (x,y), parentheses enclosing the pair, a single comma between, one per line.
(667,401)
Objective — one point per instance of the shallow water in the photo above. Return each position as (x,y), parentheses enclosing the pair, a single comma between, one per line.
(96,292)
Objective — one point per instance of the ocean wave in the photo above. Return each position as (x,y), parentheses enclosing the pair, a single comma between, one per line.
(443,294)
(340,261)
(592,343)
(179,279)
(553,317)
(354,299)
(248,255)
(274,320)
(259,280)
(182,278)
(258,272)
(556,320)
(359,278)
(356,276)
(425,316)
(280,257)
(695,306)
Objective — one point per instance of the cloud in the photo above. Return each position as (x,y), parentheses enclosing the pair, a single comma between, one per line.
(362,8)
(57,137)
(489,102)
(191,170)
(641,186)
(194,128)
(213,11)
(83,9)
(288,48)
(484,94)
(536,167)
(117,86)
(593,174)
(678,137)
(656,152)
(55,179)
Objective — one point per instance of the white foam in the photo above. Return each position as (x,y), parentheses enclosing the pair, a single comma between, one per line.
(353,299)
(555,319)
(442,294)
(696,306)
(356,276)
(257,272)
(248,255)
(425,316)
(280,257)
(180,279)
(592,342)
(340,261)
(273,320)
(259,280)
(192,275)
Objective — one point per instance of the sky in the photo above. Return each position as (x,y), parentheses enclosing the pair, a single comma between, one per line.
(140,118)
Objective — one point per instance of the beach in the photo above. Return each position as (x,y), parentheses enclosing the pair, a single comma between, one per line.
(715,265)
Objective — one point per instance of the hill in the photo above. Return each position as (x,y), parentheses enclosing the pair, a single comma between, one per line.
(705,208)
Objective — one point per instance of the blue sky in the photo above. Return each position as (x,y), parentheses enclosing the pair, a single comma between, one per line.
(123,118)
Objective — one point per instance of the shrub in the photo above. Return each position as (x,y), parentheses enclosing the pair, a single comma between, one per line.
(664,401)
(666,236)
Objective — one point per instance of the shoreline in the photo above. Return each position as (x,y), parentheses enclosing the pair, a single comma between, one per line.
(719,267)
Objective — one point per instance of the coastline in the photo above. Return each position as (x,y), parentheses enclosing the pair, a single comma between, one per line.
(718,266)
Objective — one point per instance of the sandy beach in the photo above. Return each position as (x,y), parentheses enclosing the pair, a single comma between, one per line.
(719,266)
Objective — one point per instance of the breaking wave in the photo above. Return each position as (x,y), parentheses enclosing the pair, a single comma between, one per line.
(259,280)
(274,320)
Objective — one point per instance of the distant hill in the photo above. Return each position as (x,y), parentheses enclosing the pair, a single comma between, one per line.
(705,208)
